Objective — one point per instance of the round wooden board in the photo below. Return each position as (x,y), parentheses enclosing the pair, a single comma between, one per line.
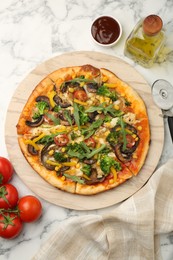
(44,189)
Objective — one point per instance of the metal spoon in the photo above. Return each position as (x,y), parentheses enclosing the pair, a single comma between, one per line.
(162,92)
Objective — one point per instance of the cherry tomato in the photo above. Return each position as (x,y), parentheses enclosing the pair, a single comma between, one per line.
(6,170)
(61,140)
(8,196)
(30,208)
(90,142)
(10,225)
(80,95)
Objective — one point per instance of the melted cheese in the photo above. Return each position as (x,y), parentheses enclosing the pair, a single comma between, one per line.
(47,129)
(113,122)
(130,118)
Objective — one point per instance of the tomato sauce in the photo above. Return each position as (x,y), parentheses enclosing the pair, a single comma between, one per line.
(105,30)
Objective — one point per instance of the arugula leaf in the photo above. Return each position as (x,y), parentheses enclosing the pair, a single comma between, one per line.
(74,135)
(88,134)
(112,111)
(74,178)
(67,116)
(106,150)
(92,128)
(95,108)
(108,109)
(76,154)
(115,136)
(107,118)
(78,150)
(123,131)
(80,79)
(83,117)
(85,147)
(81,150)
(104,91)
(48,138)
(95,151)
(54,119)
(76,114)
(76,81)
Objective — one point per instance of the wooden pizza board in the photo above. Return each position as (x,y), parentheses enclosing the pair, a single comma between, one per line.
(38,185)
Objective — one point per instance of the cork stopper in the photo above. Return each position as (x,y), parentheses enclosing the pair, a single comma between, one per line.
(152,24)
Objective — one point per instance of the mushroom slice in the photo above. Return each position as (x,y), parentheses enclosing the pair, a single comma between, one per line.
(31,148)
(60,102)
(35,123)
(65,85)
(45,156)
(93,178)
(132,148)
(125,155)
(64,168)
(92,87)
(92,116)
(89,161)
(124,158)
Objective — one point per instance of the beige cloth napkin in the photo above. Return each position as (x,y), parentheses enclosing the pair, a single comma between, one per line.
(130,231)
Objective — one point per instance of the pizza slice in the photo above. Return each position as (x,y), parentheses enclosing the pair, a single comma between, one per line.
(128,100)
(41,159)
(131,137)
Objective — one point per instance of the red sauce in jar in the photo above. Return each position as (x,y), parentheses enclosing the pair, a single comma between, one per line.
(105,30)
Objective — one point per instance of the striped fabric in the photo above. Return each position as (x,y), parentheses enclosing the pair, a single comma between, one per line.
(130,231)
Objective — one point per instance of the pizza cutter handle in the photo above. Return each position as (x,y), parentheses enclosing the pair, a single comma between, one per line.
(170,123)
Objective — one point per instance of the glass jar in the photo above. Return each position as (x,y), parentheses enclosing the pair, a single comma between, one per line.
(146,41)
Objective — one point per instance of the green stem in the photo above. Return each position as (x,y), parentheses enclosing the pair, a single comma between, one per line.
(2,211)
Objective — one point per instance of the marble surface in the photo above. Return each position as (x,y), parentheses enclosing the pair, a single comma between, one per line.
(34,31)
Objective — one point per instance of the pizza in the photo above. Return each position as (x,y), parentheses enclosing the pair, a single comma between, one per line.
(84,130)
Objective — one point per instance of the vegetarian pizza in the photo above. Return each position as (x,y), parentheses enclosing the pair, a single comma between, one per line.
(84,130)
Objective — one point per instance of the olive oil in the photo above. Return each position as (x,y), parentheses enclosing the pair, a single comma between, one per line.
(146,41)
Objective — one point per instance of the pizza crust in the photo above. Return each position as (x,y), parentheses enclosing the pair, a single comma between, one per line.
(94,189)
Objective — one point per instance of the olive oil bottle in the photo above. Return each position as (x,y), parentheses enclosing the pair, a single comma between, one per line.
(146,41)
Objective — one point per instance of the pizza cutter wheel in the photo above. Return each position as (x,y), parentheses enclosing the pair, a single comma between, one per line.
(162,93)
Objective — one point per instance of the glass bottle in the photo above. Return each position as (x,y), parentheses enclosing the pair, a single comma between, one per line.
(146,41)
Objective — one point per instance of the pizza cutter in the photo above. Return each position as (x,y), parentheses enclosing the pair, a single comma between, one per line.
(162,92)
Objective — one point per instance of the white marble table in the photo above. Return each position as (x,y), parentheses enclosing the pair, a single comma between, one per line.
(34,31)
